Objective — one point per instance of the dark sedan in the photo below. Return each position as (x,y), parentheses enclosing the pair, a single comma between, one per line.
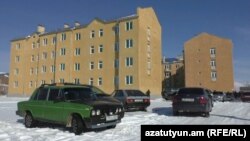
(197,100)
(132,99)
(245,96)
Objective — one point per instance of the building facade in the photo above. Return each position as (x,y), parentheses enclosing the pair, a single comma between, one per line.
(4,80)
(208,63)
(173,73)
(124,53)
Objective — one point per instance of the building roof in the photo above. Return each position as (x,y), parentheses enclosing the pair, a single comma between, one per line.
(133,16)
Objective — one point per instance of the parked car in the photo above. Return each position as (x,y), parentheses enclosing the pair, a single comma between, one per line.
(77,106)
(132,99)
(229,97)
(245,96)
(168,95)
(219,96)
(193,100)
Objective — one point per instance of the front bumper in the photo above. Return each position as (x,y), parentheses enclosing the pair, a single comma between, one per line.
(19,113)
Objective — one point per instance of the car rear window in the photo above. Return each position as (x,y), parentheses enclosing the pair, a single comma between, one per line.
(195,91)
(248,94)
(134,93)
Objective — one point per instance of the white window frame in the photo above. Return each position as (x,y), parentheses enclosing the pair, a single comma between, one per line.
(213,75)
(129,43)
(92,50)
(77,51)
(90,65)
(62,51)
(52,68)
(77,67)
(45,41)
(129,80)
(78,36)
(91,81)
(100,64)
(92,34)
(100,48)
(101,32)
(100,81)
(128,25)
(129,61)
(62,67)
(63,37)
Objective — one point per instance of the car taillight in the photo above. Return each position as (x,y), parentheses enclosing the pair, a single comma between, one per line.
(146,100)
(202,100)
(130,100)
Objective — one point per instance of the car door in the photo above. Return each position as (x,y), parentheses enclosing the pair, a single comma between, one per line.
(54,106)
(37,105)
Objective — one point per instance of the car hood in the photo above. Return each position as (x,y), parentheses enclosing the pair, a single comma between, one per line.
(101,103)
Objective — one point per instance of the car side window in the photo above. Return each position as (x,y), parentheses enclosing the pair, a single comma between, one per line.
(42,94)
(53,94)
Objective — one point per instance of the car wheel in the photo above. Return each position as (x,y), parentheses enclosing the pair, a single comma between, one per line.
(29,121)
(77,125)
(175,113)
(206,114)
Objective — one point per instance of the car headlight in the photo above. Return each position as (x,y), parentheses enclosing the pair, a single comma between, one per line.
(120,110)
(93,113)
(98,112)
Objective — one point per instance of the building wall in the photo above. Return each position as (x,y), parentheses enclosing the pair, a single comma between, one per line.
(145,17)
(198,68)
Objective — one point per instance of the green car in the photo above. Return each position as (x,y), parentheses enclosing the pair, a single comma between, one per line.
(80,107)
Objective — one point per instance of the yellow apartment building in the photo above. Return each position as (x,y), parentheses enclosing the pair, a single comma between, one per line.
(208,62)
(123,53)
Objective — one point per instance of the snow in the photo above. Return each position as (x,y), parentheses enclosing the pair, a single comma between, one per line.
(159,112)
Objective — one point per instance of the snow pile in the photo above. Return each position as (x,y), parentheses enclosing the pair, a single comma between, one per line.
(159,112)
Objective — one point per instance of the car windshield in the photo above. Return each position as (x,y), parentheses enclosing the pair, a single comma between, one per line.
(218,93)
(135,93)
(97,91)
(79,94)
(194,91)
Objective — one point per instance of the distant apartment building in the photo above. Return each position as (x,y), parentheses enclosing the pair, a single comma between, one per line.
(123,53)
(208,62)
(4,81)
(173,73)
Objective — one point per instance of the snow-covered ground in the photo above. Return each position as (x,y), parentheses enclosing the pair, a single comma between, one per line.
(159,112)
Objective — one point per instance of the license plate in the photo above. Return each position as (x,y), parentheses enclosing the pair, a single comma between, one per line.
(110,118)
(138,100)
(187,99)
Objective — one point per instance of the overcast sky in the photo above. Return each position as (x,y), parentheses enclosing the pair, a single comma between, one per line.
(180,21)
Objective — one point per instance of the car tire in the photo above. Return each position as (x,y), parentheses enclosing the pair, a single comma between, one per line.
(77,125)
(175,113)
(206,114)
(29,121)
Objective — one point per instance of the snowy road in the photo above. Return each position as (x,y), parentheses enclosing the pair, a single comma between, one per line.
(159,112)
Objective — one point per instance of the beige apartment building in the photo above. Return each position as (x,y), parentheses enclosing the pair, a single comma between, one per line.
(173,73)
(208,62)
(123,53)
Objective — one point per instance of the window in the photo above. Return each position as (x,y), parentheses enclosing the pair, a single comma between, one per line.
(44,55)
(168,67)
(62,67)
(52,68)
(42,82)
(62,51)
(212,52)
(33,45)
(53,54)
(54,40)
(99,81)
(91,65)
(129,80)
(37,58)
(17,58)
(77,81)
(33,58)
(77,51)
(116,30)
(31,71)
(92,34)
(129,62)
(100,32)
(18,46)
(92,50)
(78,36)
(61,80)
(100,48)
(116,46)
(15,84)
(213,76)
(100,65)
(30,84)
(213,64)
(16,71)
(116,64)
(129,43)
(42,94)
(53,94)
(129,25)
(43,69)
(45,42)
(63,36)
(91,81)
(77,66)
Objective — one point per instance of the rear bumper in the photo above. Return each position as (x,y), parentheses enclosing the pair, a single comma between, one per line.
(191,108)
(137,105)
